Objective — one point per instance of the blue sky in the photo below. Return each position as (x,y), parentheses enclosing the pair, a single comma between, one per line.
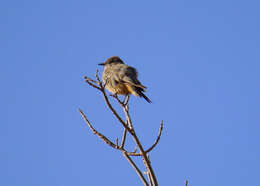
(199,59)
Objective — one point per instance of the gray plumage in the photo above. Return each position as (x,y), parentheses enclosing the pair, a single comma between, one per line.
(120,78)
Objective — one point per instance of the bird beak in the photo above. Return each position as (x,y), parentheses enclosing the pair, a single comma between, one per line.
(102,64)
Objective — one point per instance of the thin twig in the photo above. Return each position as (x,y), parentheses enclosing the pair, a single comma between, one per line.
(105,139)
(123,138)
(148,173)
(136,169)
(114,112)
(110,143)
(158,138)
(98,79)
(150,169)
(142,152)
(137,141)
(122,103)
(89,81)
(152,147)
(127,99)
(117,142)
(146,160)
(125,107)
(101,136)
(151,180)
(128,119)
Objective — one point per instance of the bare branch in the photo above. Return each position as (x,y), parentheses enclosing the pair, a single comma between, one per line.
(136,169)
(117,142)
(150,179)
(148,172)
(152,147)
(123,138)
(110,143)
(137,141)
(98,79)
(114,112)
(158,138)
(128,119)
(128,127)
(89,81)
(126,99)
(105,139)
(101,136)
(146,160)
(119,101)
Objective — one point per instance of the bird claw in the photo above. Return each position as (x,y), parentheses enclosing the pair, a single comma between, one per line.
(113,95)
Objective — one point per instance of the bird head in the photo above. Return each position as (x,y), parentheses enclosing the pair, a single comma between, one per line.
(112,60)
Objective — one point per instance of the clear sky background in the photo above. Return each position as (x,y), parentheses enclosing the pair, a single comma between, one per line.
(199,59)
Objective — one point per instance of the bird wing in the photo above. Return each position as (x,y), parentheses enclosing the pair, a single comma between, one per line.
(130,77)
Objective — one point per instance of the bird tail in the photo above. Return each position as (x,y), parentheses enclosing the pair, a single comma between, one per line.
(141,94)
(138,91)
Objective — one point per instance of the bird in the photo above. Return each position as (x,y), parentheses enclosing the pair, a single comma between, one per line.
(121,79)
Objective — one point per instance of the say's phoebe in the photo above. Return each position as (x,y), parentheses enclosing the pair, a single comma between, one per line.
(120,78)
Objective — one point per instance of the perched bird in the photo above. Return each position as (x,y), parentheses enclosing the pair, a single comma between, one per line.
(120,78)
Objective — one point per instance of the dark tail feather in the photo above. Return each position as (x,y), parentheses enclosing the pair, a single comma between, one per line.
(144,96)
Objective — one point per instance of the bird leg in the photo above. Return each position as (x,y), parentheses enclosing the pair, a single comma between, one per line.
(113,95)
(126,100)
(117,98)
